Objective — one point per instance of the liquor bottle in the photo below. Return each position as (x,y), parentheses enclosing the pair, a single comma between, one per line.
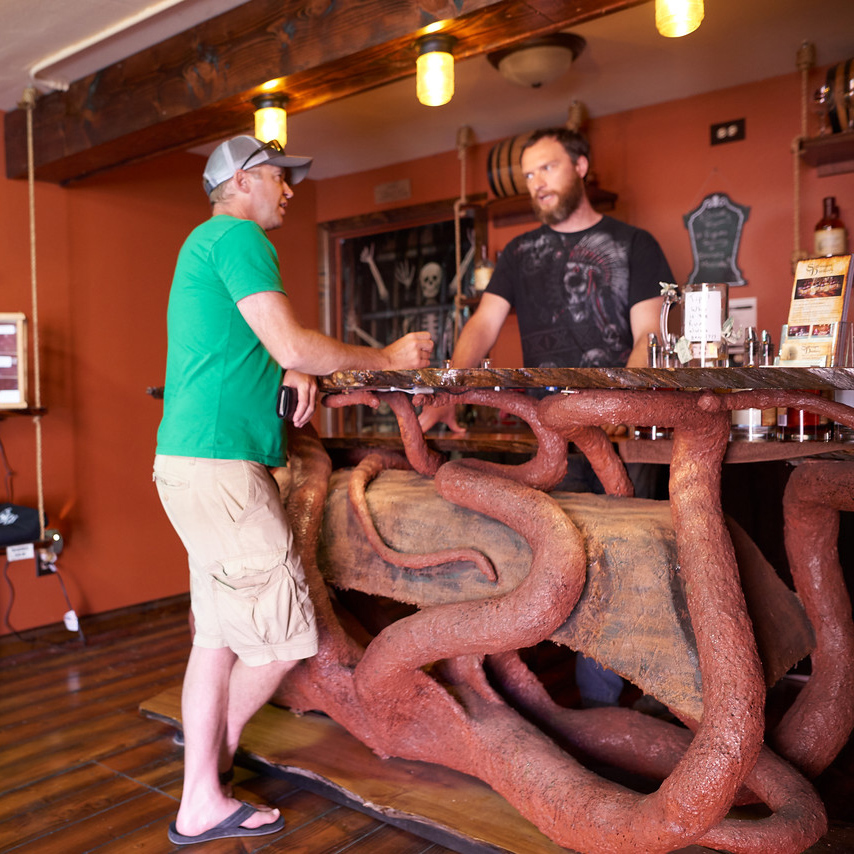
(482,270)
(830,235)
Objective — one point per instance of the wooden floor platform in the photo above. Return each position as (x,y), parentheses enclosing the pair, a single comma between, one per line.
(451,809)
(455,810)
(83,772)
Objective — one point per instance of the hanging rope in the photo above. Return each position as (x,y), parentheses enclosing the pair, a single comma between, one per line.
(464,139)
(29,103)
(805,60)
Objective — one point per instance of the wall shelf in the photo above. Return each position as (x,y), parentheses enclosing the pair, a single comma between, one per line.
(830,155)
(25,410)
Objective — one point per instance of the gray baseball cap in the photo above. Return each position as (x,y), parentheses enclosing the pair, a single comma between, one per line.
(244,152)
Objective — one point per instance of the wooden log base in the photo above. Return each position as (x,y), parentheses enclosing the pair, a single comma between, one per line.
(446,807)
(435,803)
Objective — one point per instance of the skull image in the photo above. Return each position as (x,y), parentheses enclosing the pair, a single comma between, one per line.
(430,279)
(577,286)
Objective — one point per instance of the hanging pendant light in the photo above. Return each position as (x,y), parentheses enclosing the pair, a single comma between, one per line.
(434,80)
(271,120)
(674,18)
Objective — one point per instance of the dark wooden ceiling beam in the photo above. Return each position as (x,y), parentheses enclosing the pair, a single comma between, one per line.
(195,87)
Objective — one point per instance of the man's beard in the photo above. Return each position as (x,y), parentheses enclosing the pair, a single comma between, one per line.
(567,203)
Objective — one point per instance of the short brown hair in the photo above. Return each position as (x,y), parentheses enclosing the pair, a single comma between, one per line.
(573,142)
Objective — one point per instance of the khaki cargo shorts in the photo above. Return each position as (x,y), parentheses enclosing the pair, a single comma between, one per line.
(247,586)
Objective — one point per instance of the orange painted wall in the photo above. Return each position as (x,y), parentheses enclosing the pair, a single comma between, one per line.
(660,163)
(106,250)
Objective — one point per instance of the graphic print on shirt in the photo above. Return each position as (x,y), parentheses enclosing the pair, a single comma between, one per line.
(580,315)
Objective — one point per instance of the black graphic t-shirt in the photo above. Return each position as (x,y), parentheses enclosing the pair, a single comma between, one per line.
(573,292)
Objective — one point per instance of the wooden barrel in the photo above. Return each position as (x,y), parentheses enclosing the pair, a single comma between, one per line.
(840,107)
(504,167)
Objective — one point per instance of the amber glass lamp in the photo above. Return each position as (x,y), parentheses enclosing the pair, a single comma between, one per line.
(271,119)
(434,78)
(674,18)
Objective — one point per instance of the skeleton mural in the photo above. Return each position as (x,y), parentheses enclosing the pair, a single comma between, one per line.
(404,281)
(447,685)
(432,317)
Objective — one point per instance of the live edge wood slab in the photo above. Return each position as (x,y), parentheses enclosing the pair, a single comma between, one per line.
(556,379)
(436,803)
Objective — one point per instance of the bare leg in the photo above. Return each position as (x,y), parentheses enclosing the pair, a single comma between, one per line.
(249,689)
(213,677)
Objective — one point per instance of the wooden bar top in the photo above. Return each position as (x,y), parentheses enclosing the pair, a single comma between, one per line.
(459,380)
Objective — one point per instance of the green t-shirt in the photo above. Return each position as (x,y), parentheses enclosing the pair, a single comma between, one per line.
(221,383)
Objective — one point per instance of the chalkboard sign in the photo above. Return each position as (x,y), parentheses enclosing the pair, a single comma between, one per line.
(715,230)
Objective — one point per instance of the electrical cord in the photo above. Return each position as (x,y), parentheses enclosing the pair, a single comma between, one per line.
(70,617)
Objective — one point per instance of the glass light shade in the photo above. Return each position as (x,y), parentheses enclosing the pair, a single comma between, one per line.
(674,18)
(536,65)
(271,123)
(434,80)
(539,60)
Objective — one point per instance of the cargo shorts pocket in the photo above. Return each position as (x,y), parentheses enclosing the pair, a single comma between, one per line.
(166,481)
(260,607)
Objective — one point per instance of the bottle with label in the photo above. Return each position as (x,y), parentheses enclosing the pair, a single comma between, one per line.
(831,237)
(482,270)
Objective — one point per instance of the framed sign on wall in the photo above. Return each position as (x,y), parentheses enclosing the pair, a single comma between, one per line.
(13,360)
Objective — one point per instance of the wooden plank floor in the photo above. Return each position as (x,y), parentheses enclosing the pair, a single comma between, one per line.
(82,771)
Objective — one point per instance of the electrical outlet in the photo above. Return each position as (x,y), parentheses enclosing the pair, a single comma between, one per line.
(44,566)
(727,131)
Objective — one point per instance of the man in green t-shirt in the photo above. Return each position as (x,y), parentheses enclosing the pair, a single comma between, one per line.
(231,333)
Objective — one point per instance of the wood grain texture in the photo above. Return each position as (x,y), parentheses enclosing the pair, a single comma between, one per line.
(197,86)
(459,380)
(81,770)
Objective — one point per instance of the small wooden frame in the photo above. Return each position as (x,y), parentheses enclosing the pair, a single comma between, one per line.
(13,360)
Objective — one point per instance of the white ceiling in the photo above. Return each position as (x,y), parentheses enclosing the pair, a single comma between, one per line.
(625,64)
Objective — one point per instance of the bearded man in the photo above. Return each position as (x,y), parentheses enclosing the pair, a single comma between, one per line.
(585,286)
(586,292)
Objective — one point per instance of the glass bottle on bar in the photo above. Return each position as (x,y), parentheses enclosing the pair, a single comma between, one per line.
(842,432)
(798,425)
(845,359)
(755,425)
(655,359)
(831,237)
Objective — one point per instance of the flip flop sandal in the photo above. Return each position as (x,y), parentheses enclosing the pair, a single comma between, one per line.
(228,828)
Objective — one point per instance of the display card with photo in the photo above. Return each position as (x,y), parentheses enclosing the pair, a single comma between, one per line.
(818,313)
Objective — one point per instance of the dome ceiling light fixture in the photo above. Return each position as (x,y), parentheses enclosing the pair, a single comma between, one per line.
(539,60)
